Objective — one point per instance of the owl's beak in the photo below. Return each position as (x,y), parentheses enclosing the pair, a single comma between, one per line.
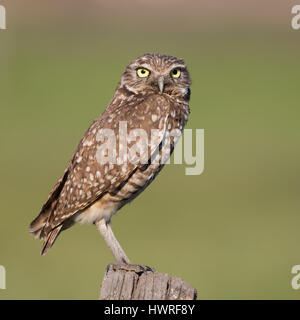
(160,82)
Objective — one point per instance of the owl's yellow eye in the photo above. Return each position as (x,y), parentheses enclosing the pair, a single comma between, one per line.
(142,72)
(175,73)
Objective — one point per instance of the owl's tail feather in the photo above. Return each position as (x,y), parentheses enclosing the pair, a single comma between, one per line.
(37,225)
(50,239)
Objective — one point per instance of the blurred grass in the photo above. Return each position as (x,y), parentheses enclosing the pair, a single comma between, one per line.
(231,232)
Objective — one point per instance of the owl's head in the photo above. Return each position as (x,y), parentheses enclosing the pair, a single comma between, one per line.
(157,73)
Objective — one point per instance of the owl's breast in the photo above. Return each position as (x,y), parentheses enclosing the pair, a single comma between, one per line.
(178,115)
(142,177)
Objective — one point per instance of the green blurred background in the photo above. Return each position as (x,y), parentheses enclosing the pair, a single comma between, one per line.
(232,232)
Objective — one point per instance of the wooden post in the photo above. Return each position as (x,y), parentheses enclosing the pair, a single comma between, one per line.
(135,282)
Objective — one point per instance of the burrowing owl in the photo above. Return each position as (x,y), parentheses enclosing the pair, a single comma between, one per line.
(118,157)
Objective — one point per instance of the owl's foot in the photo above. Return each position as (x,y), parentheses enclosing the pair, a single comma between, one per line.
(130,267)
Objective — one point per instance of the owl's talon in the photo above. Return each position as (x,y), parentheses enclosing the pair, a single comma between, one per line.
(131,267)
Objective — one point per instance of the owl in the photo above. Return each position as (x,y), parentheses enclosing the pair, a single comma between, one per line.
(121,152)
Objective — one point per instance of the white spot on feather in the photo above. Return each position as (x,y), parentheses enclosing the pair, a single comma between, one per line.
(154,117)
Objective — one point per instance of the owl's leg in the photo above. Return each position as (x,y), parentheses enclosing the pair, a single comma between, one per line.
(110,239)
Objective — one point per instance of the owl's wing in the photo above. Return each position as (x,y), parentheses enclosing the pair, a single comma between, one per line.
(87,179)
(39,222)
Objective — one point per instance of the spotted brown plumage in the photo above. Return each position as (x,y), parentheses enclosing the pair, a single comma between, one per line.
(92,191)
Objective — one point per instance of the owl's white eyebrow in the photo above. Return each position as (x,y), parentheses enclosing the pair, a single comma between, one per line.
(142,65)
(182,66)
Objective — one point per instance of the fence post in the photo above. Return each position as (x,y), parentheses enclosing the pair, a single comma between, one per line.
(135,282)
